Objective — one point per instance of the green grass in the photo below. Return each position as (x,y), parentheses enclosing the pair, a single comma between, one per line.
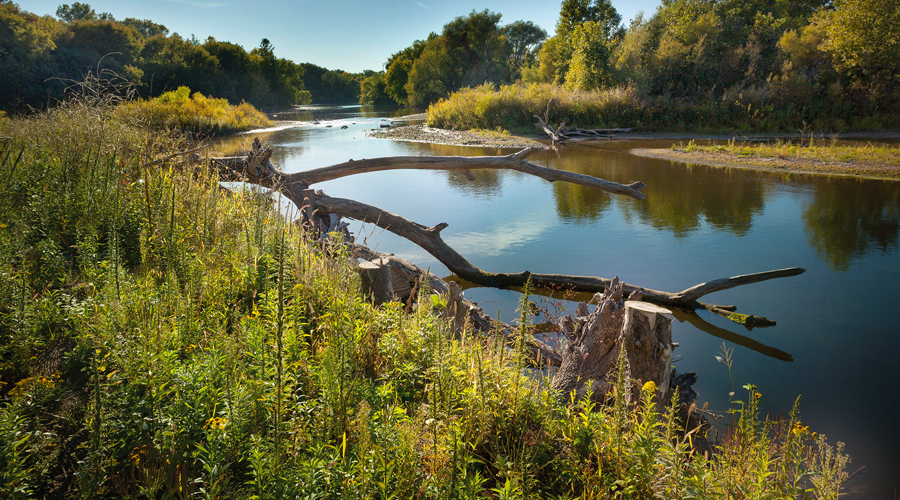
(162,338)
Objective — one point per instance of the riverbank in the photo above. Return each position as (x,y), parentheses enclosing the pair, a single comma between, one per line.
(475,138)
(862,161)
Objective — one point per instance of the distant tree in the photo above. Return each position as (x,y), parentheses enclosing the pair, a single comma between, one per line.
(435,73)
(522,37)
(173,62)
(146,27)
(76,12)
(478,36)
(556,57)
(552,61)
(680,14)
(372,90)
(398,67)
(26,61)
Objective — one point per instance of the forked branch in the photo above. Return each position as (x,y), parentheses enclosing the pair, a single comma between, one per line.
(256,168)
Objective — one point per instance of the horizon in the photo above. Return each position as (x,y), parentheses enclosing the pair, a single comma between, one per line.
(369,35)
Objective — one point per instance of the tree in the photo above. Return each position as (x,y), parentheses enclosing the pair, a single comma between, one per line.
(435,73)
(398,67)
(522,37)
(590,67)
(146,27)
(26,62)
(372,90)
(605,22)
(864,36)
(575,12)
(76,12)
(478,37)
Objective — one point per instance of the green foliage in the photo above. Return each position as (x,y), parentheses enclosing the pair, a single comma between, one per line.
(181,110)
(166,340)
(40,57)
(471,50)
(590,66)
(76,12)
(373,90)
(523,37)
(865,38)
(573,13)
(331,86)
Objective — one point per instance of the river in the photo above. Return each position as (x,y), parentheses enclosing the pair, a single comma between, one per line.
(836,338)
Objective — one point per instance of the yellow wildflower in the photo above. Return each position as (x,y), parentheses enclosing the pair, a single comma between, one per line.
(649,386)
(217,423)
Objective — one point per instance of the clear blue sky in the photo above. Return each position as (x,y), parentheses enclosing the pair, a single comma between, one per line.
(352,35)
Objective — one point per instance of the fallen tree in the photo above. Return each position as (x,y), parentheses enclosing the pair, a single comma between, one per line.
(322,213)
(637,330)
(561,134)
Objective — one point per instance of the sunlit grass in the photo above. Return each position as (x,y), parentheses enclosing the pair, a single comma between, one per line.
(513,107)
(181,110)
(810,149)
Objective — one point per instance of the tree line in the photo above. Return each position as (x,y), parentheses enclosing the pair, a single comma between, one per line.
(470,51)
(810,58)
(40,55)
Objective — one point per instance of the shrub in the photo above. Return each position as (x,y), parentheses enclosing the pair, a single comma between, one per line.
(181,110)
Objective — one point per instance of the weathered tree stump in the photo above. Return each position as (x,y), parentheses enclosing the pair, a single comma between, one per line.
(647,333)
(376,281)
(596,339)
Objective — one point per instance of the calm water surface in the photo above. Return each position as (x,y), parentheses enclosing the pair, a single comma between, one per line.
(836,339)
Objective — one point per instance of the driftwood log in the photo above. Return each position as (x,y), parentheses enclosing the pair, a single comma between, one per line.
(255,168)
(561,133)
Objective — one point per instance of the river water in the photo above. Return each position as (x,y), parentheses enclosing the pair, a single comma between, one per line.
(836,338)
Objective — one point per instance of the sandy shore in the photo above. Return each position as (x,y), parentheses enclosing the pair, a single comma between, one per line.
(775,164)
(424,133)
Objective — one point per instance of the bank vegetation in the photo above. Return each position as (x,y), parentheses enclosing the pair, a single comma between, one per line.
(162,336)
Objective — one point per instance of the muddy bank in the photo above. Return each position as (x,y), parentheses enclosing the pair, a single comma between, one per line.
(424,133)
(775,164)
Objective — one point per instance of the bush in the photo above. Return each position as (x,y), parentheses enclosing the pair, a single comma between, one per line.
(197,113)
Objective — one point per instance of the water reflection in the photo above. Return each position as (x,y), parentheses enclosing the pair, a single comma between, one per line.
(319,112)
(580,204)
(716,331)
(849,218)
(488,183)
(682,196)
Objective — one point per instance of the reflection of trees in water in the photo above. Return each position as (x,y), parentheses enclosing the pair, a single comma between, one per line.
(677,198)
(579,203)
(848,218)
(487,183)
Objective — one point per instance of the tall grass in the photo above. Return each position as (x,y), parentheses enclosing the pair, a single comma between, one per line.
(217,353)
(179,109)
(753,109)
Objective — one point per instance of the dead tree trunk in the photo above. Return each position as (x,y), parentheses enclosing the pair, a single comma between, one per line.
(597,339)
(376,281)
(256,169)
